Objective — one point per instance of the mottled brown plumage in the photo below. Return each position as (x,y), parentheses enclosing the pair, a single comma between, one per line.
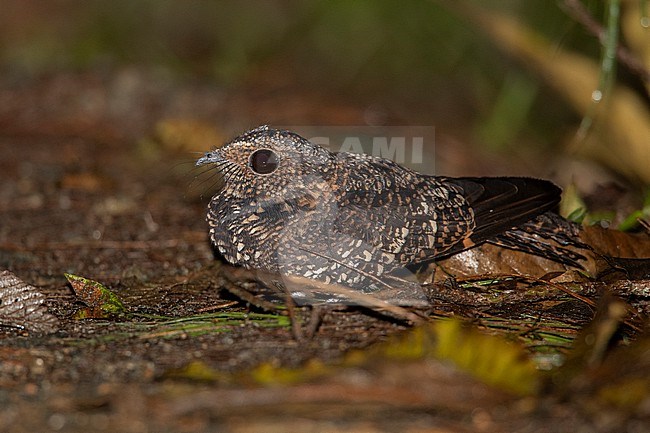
(291,207)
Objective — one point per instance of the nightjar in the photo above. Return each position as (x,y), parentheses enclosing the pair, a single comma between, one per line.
(291,207)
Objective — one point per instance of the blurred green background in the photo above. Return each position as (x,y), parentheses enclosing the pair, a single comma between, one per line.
(417,58)
(412,62)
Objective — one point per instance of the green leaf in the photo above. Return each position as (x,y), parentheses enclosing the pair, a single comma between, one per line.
(102,301)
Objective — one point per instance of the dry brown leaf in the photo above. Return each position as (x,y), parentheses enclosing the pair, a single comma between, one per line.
(493,260)
(490,260)
(615,243)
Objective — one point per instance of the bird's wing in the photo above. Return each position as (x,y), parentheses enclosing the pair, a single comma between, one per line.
(400,212)
(420,218)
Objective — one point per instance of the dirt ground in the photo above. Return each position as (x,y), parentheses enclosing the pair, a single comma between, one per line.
(89,187)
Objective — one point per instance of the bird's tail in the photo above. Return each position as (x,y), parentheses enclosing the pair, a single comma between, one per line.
(549,236)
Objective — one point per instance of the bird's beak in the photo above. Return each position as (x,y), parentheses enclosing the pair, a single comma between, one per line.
(211,157)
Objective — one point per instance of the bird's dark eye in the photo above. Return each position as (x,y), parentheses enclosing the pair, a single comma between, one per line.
(263,161)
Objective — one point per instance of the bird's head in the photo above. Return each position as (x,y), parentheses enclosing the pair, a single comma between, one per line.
(266,161)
